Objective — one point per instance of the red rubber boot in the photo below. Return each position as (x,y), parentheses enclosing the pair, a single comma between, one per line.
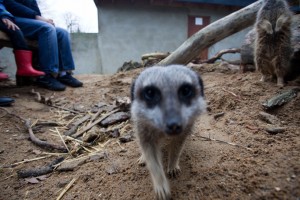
(3,76)
(24,64)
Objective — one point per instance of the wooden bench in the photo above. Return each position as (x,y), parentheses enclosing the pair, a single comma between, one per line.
(5,42)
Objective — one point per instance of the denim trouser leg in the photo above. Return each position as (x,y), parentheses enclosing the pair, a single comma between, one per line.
(54,43)
(66,61)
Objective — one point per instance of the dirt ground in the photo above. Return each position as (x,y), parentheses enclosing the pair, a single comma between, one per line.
(229,156)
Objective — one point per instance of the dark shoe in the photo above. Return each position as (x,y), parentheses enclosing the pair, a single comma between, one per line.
(69,80)
(49,82)
(6,101)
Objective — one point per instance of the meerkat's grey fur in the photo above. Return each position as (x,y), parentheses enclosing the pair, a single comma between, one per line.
(165,104)
(272,50)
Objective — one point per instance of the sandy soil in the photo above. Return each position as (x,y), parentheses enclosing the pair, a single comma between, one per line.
(226,157)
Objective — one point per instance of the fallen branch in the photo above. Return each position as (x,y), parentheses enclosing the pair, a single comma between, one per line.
(41,143)
(75,126)
(213,33)
(221,141)
(78,134)
(48,101)
(40,171)
(219,55)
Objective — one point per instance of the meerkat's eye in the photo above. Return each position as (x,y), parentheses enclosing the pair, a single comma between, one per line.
(151,95)
(186,92)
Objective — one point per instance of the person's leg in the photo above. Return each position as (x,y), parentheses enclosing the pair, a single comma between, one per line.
(22,54)
(45,33)
(66,61)
(16,36)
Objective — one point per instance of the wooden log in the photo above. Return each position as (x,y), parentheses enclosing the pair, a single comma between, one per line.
(213,33)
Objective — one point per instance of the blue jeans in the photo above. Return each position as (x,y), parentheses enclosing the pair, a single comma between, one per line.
(16,37)
(55,52)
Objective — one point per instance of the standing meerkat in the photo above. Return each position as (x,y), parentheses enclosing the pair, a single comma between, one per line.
(165,103)
(272,49)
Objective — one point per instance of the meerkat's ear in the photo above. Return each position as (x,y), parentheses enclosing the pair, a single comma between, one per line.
(201,86)
(281,21)
(132,90)
(266,26)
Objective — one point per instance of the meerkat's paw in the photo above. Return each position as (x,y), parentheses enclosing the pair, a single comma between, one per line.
(162,191)
(174,172)
(141,161)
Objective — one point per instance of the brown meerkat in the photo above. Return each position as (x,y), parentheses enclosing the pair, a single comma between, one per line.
(165,103)
(272,49)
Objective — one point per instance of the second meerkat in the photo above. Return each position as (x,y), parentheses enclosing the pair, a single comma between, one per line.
(165,103)
(272,50)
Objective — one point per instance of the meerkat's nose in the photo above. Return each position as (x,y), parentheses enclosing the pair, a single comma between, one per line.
(174,126)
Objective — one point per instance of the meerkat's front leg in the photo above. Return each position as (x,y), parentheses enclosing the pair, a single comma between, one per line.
(151,154)
(175,148)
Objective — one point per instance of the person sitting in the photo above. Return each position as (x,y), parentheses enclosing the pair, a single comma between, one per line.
(55,55)
(21,51)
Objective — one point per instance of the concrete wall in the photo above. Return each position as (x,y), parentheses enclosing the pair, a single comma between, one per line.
(85,52)
(127,32)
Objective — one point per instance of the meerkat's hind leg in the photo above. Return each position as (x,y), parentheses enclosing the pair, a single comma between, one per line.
(267,26)
(280,81)
(175,149)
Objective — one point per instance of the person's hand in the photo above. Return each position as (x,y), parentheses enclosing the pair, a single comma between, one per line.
(10,24)
(50,21)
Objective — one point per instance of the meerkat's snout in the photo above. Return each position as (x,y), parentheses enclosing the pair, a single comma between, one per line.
(165,104)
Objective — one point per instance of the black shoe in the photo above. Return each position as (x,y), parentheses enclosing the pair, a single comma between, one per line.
(69,80)
(50,82)
(6,101)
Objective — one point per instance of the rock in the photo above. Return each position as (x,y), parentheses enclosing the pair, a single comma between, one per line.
(280,99)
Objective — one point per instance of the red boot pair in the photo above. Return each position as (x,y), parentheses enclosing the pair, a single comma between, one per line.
(24,64)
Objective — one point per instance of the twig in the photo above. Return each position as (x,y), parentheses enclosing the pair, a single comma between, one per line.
(221,141)
(216,116)
(62,139)
(66,188)
(233,94)
(15,115)
(41,143)
(40,171)
(78,134)
(25,161)
(220,54)
(66,109)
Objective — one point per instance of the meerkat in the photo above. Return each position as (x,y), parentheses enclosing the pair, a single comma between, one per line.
(165,103)
(272,48)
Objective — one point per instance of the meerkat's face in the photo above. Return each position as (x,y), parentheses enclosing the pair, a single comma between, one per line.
(167,99)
